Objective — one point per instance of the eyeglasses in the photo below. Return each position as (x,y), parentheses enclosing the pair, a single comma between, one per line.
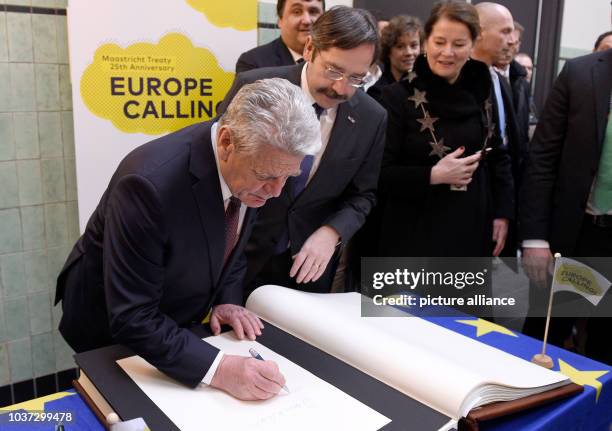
(336,75)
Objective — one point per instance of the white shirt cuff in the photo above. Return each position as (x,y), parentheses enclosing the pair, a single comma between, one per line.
(535,243)
(213,368)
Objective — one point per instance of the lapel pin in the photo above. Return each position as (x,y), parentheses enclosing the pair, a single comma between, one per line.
(351,119)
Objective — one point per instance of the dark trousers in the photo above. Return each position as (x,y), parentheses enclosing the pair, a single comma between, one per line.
(594,241)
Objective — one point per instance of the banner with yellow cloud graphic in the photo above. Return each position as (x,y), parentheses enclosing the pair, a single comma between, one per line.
(154,88)
(141,69)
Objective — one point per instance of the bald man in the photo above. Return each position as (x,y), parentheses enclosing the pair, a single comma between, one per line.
(493,46)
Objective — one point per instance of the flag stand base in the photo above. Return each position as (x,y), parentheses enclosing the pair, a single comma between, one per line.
(543,360)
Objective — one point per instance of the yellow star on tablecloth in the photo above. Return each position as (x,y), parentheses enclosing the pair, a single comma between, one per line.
(483,327)
(582,378)
(38,404)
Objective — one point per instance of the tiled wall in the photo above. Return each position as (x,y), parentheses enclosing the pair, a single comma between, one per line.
(38,209)
(266,19)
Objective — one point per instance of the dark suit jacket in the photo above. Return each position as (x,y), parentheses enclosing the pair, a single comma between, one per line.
(521,97)
(271,54)
(341,192)
(150,262)
(517,148)
(565,151)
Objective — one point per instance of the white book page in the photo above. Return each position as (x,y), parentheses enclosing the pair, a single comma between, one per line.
(436,366)
(312,403)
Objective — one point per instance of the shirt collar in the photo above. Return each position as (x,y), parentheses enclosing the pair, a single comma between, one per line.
(296,55)
(225,190)
(304,85)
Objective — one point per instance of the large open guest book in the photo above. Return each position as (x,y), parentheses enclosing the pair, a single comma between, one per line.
(344,371)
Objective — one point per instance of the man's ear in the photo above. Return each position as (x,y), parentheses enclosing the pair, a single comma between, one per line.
(225,147)
(308,49)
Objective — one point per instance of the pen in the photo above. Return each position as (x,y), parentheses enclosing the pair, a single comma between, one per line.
(257,356)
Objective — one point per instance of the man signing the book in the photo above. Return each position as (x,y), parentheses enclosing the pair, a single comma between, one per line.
(165,245)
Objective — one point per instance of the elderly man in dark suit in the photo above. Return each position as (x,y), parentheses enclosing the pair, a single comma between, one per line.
(165,244)
(297,238)
(295,19)
(495,43)
(566,203)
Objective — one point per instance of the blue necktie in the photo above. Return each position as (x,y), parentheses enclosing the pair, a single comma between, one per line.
(501,113)
(299,184)
(306,166)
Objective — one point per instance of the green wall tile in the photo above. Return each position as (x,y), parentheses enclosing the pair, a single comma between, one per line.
(50,135)
(40,313)
(267,13)
(5,370)
(63,353)
(43,354)
(56,257)
(5,92)
(56,311)
(7,137)
(3,38)
(49,3)
(18,2)
(30,186)
(71,184)
(20,357)
(19,28)
(67,133)
(62,39)
(2,327)
(44,38)
(65,88)
(26,135)
(53,179)
(36,271)
(13,275)
(55,224)
(16,318)
(10,231)
(23,96)
(47,87)
(9,193)
(33,225)
(72,221)
(265,35)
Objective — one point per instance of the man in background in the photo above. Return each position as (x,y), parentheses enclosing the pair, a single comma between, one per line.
(295,19)
(298,237)
(494,45)
(603,42)
(566,204)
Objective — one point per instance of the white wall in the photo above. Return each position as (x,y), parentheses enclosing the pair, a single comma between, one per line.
(583,21)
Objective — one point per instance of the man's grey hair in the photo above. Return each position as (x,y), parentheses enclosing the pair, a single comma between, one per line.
(274,112)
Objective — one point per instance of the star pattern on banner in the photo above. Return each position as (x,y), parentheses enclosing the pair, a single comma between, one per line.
(427,122)
(419,97)
(438,148)
(484,327)
(582,378)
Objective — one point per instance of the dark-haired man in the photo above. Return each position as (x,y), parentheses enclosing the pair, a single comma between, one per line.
(295,19)
(297,237)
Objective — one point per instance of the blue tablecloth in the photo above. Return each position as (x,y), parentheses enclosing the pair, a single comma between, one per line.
(589,411)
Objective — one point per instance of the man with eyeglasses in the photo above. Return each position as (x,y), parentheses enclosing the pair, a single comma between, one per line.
(298,237)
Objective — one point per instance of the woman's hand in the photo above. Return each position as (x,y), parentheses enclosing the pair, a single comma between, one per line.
(455,170)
